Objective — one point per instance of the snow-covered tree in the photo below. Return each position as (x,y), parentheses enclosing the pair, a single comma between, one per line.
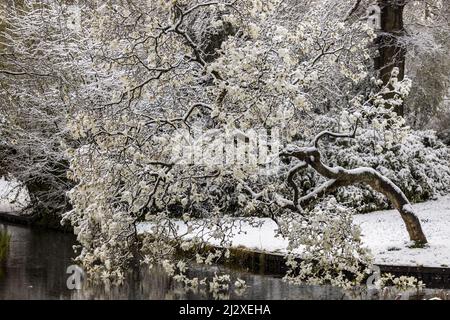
(197,116)
(45,65)
(34,102)
(229,70)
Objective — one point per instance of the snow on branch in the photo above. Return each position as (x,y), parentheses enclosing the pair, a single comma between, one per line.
(340,177)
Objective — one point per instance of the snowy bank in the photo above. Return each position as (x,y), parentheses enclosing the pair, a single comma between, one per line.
(383,232)
(13,197)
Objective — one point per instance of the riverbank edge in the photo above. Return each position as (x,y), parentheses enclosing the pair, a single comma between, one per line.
(273,264)
(269,263)
(34,220)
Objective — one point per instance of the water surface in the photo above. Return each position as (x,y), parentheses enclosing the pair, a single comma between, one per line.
(38,259)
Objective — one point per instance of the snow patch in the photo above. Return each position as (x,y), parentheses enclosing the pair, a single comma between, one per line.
(13,197)
(383,232)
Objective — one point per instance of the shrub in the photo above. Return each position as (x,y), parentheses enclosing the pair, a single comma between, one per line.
(419,166)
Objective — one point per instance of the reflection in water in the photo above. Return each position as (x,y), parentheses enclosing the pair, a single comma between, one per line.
(36,264)
(4,248)
(38,259)
(154,284)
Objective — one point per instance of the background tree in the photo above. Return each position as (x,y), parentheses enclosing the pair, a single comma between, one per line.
(428,64)
(35,99)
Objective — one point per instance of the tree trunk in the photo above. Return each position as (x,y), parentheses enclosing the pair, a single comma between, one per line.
(392,53)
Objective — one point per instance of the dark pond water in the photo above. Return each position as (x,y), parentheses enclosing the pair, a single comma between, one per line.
(38,259)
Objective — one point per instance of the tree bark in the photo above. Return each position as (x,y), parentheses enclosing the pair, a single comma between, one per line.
(392,53)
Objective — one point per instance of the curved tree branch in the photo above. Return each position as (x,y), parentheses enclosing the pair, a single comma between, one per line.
(324,134)
(340,177)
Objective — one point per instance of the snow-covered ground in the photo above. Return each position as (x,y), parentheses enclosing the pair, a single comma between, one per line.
(385,234)
(382,231)
(13,198)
